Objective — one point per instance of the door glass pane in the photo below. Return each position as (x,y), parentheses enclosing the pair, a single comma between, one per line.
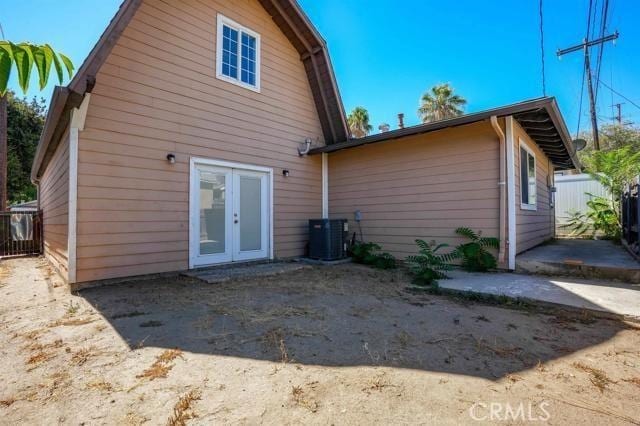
(250,213)
(212,213)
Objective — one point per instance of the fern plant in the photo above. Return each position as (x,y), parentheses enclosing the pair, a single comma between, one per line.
(475,255)
(369,254)
(429,265)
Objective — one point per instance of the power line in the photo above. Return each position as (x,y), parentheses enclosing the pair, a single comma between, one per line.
(544,86)
(603,17)
(620,94)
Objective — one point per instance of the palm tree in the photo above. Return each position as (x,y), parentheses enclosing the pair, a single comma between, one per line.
(440,103)
(24,56)
(359,122)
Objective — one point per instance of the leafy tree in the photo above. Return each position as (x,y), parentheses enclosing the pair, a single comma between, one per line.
(440,103)
(358,122)
(24,57)
(612,136)
(429,265)
(614,169)
(25,122)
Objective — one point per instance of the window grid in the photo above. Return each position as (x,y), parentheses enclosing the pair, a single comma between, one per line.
(238,55)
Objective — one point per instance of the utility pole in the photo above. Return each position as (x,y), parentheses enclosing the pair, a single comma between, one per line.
(584,46)
(618,116)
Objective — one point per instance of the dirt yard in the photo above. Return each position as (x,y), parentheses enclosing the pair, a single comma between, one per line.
(325,345)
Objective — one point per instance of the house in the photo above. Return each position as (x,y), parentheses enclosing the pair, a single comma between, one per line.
(206,132)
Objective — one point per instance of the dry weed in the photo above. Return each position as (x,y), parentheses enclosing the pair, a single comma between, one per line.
(162,365)
(40,357)
(302,399)
(404,339)
(66,321)
(8,402)
(275,338)
(101,385)
(503,352)
(82,356)
(635,381)
(183,410)
(598,377)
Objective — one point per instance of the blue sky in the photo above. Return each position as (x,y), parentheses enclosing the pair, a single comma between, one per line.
(386,54)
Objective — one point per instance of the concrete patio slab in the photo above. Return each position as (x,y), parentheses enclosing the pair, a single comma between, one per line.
(604,296)
(593,259)
(220,274)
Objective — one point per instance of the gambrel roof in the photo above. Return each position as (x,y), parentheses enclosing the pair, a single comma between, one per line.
(289,17)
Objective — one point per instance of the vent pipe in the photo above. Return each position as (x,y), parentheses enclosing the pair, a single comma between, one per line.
(401,121)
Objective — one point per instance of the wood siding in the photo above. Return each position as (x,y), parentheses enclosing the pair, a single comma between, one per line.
(157,93)
(422,186)
(54,201)
(533,227)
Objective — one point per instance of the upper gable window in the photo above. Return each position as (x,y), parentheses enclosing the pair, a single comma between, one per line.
(238,54)
(528,183)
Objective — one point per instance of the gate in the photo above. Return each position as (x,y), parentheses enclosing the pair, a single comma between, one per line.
(20,233)
(631,217)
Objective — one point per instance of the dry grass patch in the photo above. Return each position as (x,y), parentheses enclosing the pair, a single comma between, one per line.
(162,365)
(82,355)
(301,398)
(39,357)
(101,385)
(275,338)
(68,322)
(635,381)
(598,377)
(503,352)
(183,410)
(8,402)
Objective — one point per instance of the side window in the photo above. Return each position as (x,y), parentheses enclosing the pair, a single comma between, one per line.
(528,184)
(238,54)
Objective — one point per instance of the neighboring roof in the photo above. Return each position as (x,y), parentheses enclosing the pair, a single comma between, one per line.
(26,206)
(540,118)
(289,17)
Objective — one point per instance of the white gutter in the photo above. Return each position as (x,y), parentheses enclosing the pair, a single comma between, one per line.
(78,118)
(503,193)
(325,186)
(511,194)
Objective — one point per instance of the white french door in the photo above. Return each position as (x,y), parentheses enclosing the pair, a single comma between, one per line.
(230,215)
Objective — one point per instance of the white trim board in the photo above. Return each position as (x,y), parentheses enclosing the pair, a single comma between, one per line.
(78,118)
(325,185)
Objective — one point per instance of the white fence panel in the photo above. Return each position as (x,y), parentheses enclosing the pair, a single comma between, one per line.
(571,195)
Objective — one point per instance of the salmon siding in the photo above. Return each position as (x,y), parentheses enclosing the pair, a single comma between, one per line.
(54,202)
(158,93)
(422,186)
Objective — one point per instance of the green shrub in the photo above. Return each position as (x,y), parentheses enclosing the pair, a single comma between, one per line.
(429,266)
(474,254)
(369,254)
(601,217)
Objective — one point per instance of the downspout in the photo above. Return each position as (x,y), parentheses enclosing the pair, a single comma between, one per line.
(325,185)
(511,193)
(503,191)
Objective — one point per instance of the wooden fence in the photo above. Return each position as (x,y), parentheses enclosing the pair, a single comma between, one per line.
(20,233)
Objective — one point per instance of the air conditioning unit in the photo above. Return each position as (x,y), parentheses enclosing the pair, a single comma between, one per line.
(328,238)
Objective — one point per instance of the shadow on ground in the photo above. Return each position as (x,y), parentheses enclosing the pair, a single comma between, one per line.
(342,316)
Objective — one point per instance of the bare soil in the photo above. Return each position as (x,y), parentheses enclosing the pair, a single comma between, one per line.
(324,345)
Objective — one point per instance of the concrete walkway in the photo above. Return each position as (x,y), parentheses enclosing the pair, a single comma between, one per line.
(592,259)
(605,296)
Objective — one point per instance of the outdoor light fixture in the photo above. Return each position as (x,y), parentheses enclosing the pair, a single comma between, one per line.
(171,158)
(286,173)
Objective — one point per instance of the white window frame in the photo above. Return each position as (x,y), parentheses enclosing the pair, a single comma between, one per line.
(525,205)
(223,20)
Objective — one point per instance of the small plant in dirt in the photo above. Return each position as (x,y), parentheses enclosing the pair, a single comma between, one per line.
(429,265)
(474,254)
(369,254)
